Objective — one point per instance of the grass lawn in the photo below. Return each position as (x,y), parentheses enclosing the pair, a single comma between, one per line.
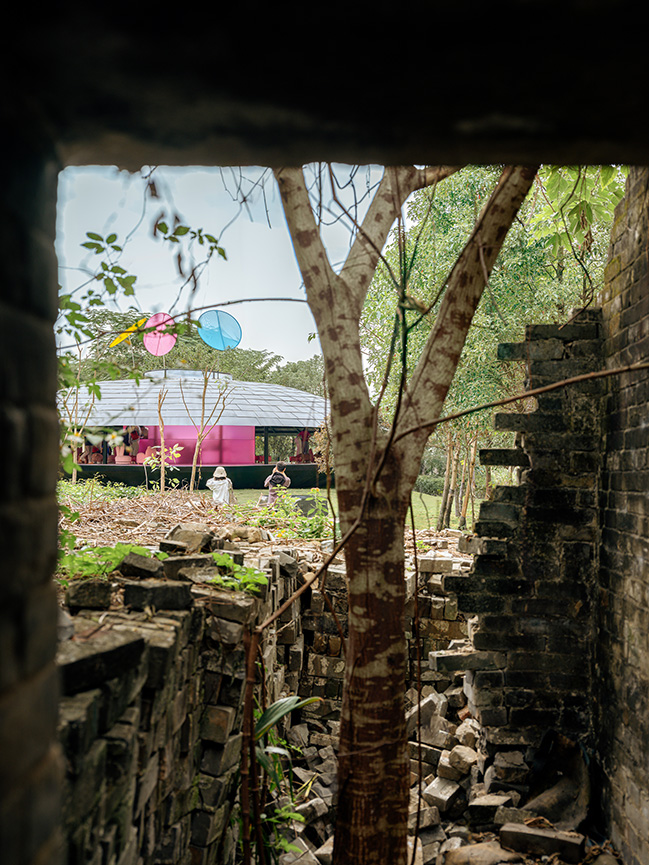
(426,507)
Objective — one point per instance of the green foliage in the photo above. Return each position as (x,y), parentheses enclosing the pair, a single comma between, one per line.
(84,492)
(285,519)
(575,207)
(238,577)
(429,484)
(273,754)
(92,562)
(552,260)
(108,280)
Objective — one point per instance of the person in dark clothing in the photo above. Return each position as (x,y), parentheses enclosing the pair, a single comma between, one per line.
(278,478)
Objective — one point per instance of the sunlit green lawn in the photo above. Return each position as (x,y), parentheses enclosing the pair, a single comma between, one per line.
(426,508)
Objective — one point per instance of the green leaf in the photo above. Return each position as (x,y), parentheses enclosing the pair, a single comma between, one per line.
(68,464)
(162,227)
(179,230)
(111,238)
(93,236)
(267,764)
(278,710)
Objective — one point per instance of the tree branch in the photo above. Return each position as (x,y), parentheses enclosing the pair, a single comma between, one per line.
(432,378)
(396,186)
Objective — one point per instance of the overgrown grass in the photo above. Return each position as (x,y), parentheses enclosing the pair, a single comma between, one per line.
(87,491)
(426,507)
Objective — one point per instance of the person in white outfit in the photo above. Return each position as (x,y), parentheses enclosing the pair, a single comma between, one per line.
(221,486)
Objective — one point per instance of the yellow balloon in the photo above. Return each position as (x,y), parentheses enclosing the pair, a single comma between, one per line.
(127,332)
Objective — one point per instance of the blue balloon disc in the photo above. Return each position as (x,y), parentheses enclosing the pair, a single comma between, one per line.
(219,329)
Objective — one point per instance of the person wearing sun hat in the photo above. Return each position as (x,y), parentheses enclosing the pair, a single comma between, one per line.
(221,486)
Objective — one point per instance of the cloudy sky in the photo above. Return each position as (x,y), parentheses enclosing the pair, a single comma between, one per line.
(260,260)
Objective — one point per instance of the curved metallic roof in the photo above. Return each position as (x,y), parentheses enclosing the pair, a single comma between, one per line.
(246,403)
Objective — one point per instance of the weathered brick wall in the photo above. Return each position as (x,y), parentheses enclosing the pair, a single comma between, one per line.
(151,717)
(532,581)
(431,623)
(153,680)
(30,765)
(622,644)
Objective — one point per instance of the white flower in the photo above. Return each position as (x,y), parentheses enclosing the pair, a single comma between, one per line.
(94,439)
(75,441)
(65,451)
(114,439)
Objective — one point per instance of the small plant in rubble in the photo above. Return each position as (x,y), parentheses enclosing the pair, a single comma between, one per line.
(238,577)
(154,461)
(285,519)
(91,562)
(278,798)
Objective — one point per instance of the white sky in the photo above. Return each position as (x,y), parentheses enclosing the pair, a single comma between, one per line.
(260,261)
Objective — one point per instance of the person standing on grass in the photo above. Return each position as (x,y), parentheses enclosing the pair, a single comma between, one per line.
(278,478)
(221,486)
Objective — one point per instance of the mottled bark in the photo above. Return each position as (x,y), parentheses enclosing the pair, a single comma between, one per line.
(374,773)
(374,478)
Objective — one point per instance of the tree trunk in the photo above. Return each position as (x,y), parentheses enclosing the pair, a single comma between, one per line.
(461,489)
(451,490)
(469,485)
(487,481)
(192,480)
(373,767)
(161,399)
(447,480)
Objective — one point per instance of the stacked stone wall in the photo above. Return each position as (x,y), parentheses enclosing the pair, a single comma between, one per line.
(621,679)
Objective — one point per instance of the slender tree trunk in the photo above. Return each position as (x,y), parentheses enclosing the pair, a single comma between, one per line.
(487,481)
(447,479)
(161,399)
(451,490)
(469,486)
(192,480)
(459,497)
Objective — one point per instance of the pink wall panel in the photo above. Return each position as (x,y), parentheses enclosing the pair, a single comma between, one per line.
(229,445)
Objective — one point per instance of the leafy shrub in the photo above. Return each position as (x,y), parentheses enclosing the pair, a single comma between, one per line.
(429,485)
(286,520)
(93,561)
(233,576)
(86,491)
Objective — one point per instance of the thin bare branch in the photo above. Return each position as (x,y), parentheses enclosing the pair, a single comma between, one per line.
(548,388)
(466,282)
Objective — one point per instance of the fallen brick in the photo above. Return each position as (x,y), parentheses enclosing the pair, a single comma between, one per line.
(543,842)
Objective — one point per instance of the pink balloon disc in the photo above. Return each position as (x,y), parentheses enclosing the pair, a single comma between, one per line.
(158,341)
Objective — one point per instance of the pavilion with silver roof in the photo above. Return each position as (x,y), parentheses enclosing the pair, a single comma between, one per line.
(236,412)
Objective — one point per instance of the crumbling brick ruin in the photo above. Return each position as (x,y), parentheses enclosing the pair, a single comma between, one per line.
(91,88)
(153,688)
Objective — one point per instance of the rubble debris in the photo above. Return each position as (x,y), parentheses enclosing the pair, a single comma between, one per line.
(484,853)
(543,842)
(463,785)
